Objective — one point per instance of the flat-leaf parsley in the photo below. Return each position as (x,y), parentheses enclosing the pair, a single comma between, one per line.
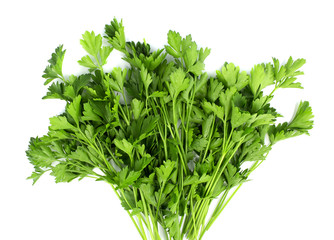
(168,138)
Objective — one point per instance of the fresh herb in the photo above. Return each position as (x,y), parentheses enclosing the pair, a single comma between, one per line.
(168,138)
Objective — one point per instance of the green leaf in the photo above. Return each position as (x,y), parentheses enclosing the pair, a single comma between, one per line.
(215,88)
(174,41)
(137,108)
(118,77)
(233,177)
(115,34)
(257,77)
(260,77)
(89,114)
(203,54)
(86,61)
(280,132)
(239,100)
(263,119)
(124,145)
(258,103)
(91,43)
(290,83)
(74,109)
(142,163)
(35,176)
(195,179)
(172,223)
(302,119)
(190,55)
(143,127)
(104,54)
(178,82)
(146,78)
(217,110)
(199,144)
(54,70)
(292,66)
(103,109)
(62,173)
(197,68)
(255,151)
(283,131)
(186,43)
(148,192)
(56,91)
(81,82)
(90,132)
(186,93)
(125,178)
(69,92)
(158,94)
(40,155)
(81,154)
(201,83)
(164,171)
(206,126)
(279,71)
(128,200)
(225,100)
(231,76)
(239,118)
(58,123)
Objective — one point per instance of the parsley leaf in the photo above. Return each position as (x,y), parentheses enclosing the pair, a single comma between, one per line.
(54,70)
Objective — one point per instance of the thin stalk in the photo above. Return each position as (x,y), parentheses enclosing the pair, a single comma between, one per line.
(201,210)
(146,214)
(178,137)
(211,221)
(155,226)
(126,104)
(209,141)
(132,219)
(97,150)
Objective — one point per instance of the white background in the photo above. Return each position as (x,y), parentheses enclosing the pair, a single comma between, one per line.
(291,195)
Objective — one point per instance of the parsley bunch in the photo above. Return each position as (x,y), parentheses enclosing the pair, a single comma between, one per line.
(167,137)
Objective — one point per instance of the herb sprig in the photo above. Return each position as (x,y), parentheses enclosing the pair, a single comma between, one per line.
(168,138)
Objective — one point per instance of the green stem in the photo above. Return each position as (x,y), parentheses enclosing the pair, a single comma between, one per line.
(183,159)
(209,142)
(126,104)
(148,224)
(212,220)
(201,210)
(97,150)
(132,219)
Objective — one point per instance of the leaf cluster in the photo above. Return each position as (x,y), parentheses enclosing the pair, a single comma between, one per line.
(167,137)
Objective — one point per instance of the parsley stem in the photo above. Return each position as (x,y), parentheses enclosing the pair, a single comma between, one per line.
(221,207)
(126,104)
(202,208)
(146,213)
(209,142)
(183,158)
(96,149)
(132,219)
(189,110)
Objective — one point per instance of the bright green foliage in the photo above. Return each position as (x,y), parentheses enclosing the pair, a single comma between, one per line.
(164,134)
(231,76)
(54,70)
(301,123)
(178,82)
(261,76)
(91,43)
